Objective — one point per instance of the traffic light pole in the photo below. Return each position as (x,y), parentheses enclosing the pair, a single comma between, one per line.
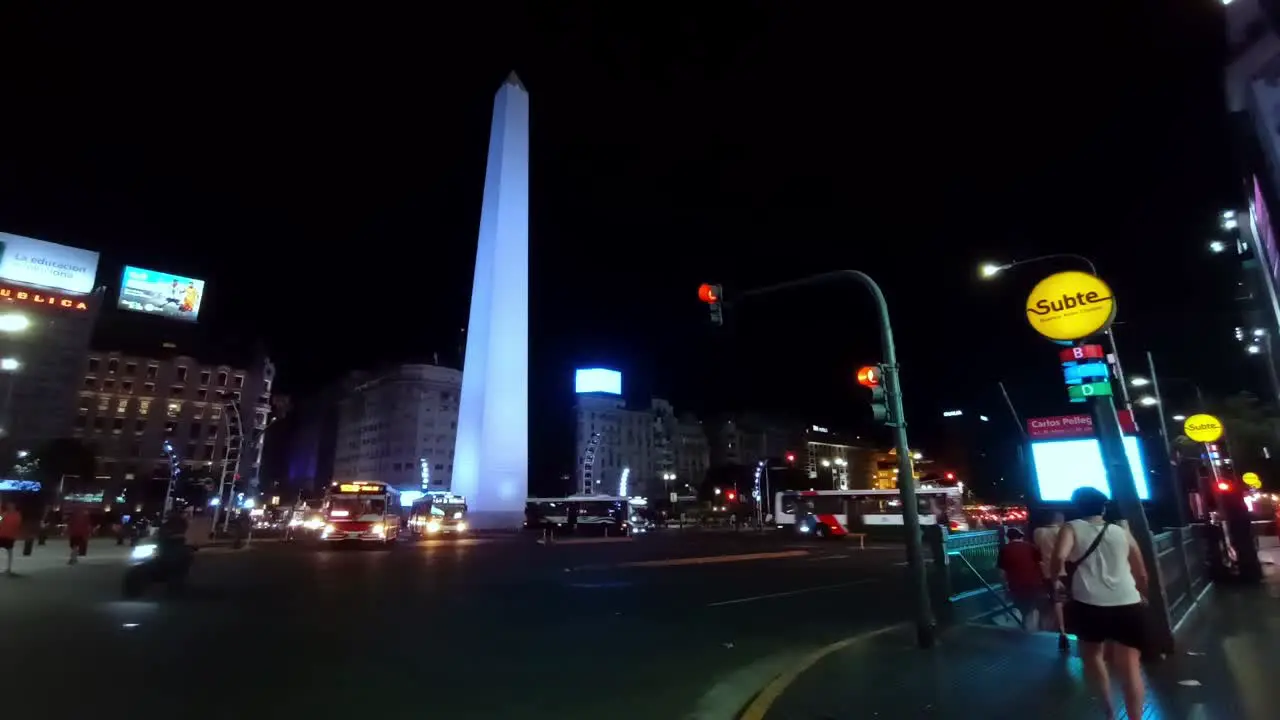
(925,627)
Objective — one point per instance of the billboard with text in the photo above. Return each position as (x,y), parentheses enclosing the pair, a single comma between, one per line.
(160,293)
(28,261)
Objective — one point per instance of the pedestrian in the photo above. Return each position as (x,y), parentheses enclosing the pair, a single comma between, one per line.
(1046,538)
(1020,561)
(10,528)
(1107,584)
(79,527)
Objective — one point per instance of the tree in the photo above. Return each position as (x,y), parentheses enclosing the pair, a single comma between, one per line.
(71,458)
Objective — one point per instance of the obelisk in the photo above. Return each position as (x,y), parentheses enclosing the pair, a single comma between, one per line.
(491,457)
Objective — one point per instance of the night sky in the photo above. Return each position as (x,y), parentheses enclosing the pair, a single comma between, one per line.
(324,173)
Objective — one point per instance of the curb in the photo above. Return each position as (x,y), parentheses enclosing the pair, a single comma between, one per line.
(760,705)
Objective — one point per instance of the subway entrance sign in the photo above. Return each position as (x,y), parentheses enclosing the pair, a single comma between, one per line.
(1084,391)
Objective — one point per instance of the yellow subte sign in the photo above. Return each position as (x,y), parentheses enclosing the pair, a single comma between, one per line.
(1203,428)
(1070,306)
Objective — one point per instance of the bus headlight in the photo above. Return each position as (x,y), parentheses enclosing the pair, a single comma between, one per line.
(328,530)
(379,529)
(461,526)
(433,526)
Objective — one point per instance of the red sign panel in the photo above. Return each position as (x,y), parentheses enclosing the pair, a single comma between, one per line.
(1062,427)
(1082,352)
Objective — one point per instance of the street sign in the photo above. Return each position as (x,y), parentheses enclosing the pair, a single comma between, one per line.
(1252,480)
(1082,352)
(1084,391)
(1203,428)
(1088,372)
(1070,306)
(1061,427)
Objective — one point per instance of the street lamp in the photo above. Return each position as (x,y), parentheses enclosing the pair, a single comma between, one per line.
(1148,401)
(1179,418)
(989,270)
(11,322)
(10,364)
(1217,246)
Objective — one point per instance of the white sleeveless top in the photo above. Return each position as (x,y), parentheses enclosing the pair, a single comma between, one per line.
(1104,579)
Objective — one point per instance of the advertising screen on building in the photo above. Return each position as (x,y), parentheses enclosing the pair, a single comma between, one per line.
(160,293)
(28,261)
(598,380)
(1064,465)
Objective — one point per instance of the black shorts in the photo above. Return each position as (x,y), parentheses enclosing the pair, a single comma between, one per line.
(6,543)
(1124,624)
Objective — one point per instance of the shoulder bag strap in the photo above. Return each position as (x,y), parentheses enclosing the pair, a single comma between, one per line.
(1093,546)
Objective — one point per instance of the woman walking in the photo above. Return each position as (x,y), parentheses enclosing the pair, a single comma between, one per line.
(1107,585)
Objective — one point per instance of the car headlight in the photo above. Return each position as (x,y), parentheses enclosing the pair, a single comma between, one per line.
(142,552)
(379,529)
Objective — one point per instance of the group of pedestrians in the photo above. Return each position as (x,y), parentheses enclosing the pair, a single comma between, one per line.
(79,528)
(1085,577)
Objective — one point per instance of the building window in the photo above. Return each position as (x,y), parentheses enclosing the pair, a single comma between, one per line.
(152,371)
(149,388)
(97,423)
(239,381)
(112,365)
(122,407)
(93,365)
(108,385)
(88,383)
(103,403)
(144,407)
(222,379)
(117,425)
(126,387)
(131,369)
(175,408)
(182,374)
(175,391)
(139,426)
(204,377)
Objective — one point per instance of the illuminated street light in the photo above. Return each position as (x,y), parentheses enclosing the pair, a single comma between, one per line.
(918,456)
(1217,246)
(1139,382)
(13,322)
(1148,401)
(9,364)
(1253,349)
(988,270)
(1179,418)
(826,463)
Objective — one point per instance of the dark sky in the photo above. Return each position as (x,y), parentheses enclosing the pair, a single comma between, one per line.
(324,172)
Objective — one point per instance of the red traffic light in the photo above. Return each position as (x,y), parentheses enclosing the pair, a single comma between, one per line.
(731,494)
(709,294)
(950,476)
(791,457)
(1223,486)
(869,376)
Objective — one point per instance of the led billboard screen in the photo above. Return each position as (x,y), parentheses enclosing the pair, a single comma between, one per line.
(598,380)
(1064,465)
(160,293)
(27,261)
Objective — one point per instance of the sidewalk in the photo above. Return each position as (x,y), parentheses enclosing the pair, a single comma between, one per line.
(1222,670)
(56,551)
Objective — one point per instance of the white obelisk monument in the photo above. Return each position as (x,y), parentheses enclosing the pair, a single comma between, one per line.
(491,458)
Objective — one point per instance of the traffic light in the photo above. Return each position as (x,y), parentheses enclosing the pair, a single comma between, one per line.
(791,457)
(1224,486)
(712,296)
(869,377)
(950,476)
(731,495)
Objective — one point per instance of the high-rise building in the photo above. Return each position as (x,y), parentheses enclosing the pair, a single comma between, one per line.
(400,427)
(659,452)
(492,453)
(130,405)
(48,308)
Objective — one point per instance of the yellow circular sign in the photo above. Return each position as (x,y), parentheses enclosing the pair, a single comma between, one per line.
(1203,428)
(1252,480)
(1070,306)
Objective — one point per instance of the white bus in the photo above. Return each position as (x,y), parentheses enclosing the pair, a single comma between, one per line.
(835,513)
(584,513)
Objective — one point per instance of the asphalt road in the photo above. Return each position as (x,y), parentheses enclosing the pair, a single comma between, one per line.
(481,628)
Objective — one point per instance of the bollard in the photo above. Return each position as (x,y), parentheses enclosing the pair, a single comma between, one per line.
(28,545)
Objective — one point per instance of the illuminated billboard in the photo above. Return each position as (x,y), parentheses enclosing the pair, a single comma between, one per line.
(597,380)
(159,293)
(27,261)
(1064,465)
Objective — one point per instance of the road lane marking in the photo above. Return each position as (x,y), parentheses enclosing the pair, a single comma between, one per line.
(789,593)
(762,703)
(711,559)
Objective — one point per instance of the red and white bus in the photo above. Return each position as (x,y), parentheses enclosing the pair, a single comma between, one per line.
(361,512)
(833,513)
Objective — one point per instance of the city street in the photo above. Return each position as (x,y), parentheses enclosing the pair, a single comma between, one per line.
(671,625)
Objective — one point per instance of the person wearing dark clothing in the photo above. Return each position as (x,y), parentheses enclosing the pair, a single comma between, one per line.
(1020,561)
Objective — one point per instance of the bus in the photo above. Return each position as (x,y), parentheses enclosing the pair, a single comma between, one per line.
(584,514)
(438,513)
(834,513)
(367,512)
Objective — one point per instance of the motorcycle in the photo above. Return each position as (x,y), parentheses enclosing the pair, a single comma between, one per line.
(156,562)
